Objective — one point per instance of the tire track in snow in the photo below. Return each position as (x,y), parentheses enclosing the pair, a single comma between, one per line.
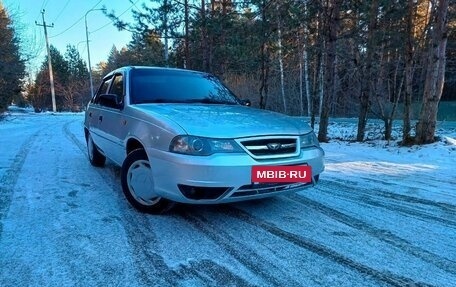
(393,203)
(381,234)
(9,179)
(321,250)
(149,266)
(72,137)
(137,237)
(219,275)
(248,258)
(396,182)
(447,207)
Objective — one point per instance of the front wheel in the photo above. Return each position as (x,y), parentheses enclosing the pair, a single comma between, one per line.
(95,157)
(138,184)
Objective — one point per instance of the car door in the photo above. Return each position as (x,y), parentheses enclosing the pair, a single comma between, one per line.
(93,112)
(111,122)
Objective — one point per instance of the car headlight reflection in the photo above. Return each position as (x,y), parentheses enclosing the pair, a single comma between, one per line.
(193,145)
(309,140)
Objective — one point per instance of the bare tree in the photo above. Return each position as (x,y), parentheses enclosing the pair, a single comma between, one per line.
(204,37)
(279,44)
(435,73)
(332,17)
(264,58)
(408,73)
(368,86)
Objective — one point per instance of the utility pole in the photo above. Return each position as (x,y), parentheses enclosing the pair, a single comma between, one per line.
(165,24)
(88,49)
(51,74)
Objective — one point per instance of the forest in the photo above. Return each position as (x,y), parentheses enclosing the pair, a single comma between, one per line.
(382,59)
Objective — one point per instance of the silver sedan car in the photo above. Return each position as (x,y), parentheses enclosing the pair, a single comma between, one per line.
(182,136)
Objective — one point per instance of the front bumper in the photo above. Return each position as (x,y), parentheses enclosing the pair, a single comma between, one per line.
(228,174)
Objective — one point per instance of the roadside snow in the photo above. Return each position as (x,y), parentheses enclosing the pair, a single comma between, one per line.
(426,170)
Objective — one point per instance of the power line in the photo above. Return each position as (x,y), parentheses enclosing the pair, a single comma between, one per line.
(98,29)
(74,24)
(134,4)
(83,50)
(45,4)
(42,5)
(41,9)
(61,11)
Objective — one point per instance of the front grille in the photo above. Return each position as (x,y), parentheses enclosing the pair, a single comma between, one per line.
(271,147)
(264,188)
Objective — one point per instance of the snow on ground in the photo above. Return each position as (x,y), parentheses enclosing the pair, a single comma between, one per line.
(381,215)
(430,166)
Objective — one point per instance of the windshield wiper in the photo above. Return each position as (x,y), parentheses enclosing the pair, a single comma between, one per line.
(189,101)
(209,101)
(158,101)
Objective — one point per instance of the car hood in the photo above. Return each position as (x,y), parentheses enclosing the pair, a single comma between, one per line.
(227,121)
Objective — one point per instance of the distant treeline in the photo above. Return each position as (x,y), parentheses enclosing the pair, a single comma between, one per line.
(319,58)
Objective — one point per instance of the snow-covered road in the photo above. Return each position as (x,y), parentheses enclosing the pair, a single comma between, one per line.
(380,216)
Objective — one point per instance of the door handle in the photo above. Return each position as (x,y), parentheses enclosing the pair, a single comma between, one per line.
(100,118)
(90,114)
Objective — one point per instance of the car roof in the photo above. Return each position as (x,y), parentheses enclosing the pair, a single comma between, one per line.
(129,68)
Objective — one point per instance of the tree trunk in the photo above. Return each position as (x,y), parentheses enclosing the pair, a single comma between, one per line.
(301,85)
(315,85)
(408,75)
(264,77)
(306,80)
(317,81)
(165,27)
(304,84)
(186,40)
(368,77)
(204,44)
(330,67)
(279,44)
(321,83)
(222,44)
(435,75)
(306,65)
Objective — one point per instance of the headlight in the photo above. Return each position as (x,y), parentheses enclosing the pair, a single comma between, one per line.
(192,145)
(309,140)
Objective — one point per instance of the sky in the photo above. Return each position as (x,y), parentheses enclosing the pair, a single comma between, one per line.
(69,26)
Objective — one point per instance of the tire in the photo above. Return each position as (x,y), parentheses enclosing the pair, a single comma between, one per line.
(95,157)
(138,184)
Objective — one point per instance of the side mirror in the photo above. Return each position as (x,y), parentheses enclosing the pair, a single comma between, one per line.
(247,103)
(110,100)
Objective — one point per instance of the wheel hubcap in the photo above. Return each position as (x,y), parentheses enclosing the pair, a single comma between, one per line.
(141,184)
(90,147)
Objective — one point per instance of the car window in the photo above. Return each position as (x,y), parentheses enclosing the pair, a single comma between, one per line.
(103,89)
(174,86)
(117,86)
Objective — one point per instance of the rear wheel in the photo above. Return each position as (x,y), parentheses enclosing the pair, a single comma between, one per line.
(138,184)
(95,157)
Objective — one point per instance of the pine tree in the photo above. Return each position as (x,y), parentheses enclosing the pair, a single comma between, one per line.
(12,67)
(77,90)
(40,93)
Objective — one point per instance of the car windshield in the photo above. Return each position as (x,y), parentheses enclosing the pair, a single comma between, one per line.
(177,86)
